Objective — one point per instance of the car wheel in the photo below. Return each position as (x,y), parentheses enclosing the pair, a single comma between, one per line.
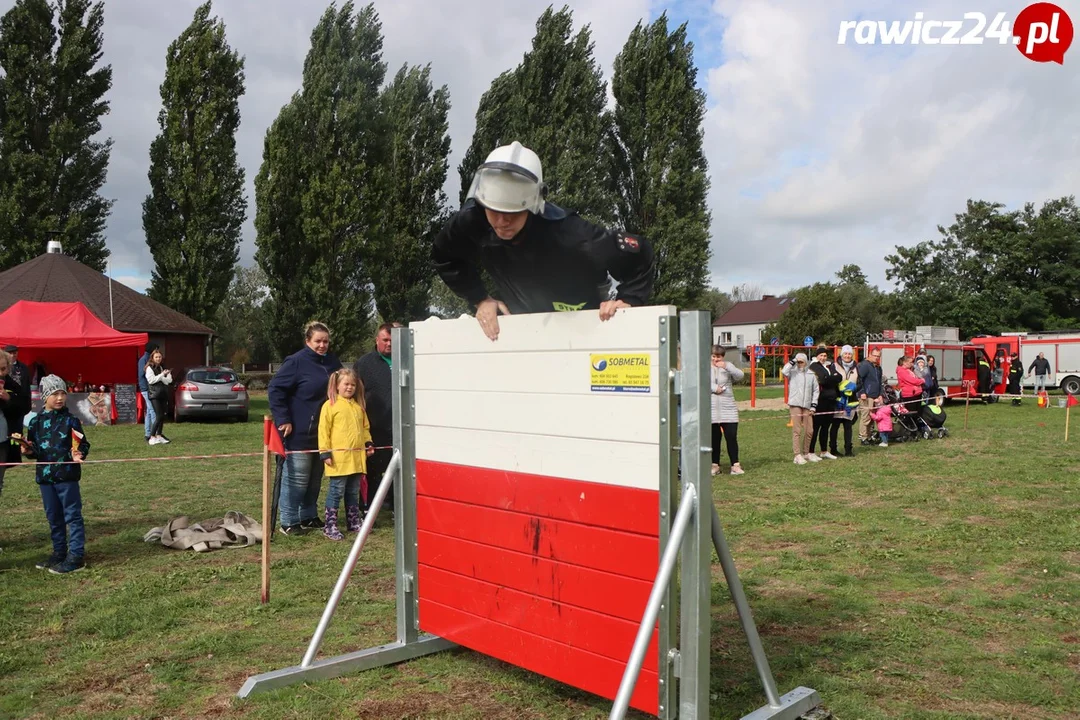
(1071,385)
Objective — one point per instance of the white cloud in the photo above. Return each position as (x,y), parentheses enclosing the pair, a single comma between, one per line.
(824,154)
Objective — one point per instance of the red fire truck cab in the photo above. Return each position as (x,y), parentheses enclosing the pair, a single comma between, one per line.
(957,362)
(1061,350)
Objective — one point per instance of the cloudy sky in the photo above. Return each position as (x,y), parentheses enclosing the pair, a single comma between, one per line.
(820,154)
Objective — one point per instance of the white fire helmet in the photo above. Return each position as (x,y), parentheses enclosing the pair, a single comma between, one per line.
(510,180)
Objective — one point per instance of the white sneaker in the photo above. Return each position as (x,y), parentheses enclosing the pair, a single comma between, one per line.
(828,456)
(813,458)
(884,444)
(800,460)
(736,469)
(715,469)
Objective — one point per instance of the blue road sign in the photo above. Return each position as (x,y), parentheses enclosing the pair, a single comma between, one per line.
(774,341)
(808,341)
(759,352)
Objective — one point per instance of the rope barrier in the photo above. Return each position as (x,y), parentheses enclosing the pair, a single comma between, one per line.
(110,461)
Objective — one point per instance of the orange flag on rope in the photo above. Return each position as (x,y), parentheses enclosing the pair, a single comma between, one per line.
(272,438)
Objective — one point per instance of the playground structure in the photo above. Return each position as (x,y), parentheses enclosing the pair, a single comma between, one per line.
(544,493)
(758,352)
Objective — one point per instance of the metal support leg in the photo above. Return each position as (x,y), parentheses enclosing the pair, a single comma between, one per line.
(798,701)
(350,563)
(687,508)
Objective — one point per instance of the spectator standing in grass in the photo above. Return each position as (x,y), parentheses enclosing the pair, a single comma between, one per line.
(297,393)
(868,388)
(802,402)
(847,401)
(56,441)
(14,405)
(725,413)
(375,374)
(144,390)
(828,382)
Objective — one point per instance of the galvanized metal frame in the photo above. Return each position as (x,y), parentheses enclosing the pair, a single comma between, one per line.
(669,500)
(694,533)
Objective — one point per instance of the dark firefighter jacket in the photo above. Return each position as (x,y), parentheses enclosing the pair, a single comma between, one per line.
(558,262)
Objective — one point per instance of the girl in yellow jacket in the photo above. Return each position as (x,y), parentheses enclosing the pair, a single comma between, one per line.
(344,446)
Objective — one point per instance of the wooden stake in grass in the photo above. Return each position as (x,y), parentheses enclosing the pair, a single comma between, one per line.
(266,490)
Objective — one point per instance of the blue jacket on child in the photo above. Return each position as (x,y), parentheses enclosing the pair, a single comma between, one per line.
(297,393)
(50,438)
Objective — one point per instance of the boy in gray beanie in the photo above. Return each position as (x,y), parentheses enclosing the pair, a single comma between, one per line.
(55,439)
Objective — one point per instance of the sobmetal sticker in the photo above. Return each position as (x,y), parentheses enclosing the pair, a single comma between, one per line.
(627,372)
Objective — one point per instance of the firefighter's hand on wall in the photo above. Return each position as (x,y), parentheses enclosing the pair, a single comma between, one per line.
(487,314)
(608,308)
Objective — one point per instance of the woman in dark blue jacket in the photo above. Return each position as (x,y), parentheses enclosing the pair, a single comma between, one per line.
(297,393)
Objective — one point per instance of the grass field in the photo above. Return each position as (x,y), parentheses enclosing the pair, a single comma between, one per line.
(930,580)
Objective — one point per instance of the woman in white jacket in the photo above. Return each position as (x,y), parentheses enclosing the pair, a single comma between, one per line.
(802,402)
(725,413)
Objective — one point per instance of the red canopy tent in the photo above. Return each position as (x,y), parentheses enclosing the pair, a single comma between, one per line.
(70,340)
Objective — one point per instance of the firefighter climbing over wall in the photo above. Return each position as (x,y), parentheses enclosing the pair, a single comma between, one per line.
(541,257)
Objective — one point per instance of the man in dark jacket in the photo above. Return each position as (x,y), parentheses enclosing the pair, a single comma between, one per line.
(868,388)
(1041,368)
(374,371)
(541,257)
(19,371)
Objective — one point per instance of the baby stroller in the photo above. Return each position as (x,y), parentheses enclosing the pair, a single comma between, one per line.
(934,416)
(907,424)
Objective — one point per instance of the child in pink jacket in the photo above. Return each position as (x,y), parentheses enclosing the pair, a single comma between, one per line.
(882,416)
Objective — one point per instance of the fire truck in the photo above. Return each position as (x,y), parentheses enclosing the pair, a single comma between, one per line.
(1062,349)
(957,362)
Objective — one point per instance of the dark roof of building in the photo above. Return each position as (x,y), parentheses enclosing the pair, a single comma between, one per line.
(755,312)
(55,277)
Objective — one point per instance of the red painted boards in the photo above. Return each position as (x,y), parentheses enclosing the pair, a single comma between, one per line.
(551,575)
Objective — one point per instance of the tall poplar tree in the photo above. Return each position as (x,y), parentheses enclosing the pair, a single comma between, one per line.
(196,207)
(322,190)
(553,103)
(419,145)
(52,162)
(658,168)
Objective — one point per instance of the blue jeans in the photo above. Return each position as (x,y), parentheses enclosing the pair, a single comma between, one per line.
(1040,383)
(63,509)
(301,480)
(347,485)
(149,417)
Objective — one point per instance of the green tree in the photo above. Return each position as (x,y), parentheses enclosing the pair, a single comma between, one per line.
(993,271)
(242,318)
(400,265)
(322,192)
(553,103)
(196,208)
(837,313)
(52,98)
(659,174)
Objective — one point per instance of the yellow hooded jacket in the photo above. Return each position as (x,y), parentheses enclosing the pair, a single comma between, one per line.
(344,425)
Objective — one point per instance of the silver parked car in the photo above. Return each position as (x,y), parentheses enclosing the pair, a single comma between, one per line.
(210,392)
